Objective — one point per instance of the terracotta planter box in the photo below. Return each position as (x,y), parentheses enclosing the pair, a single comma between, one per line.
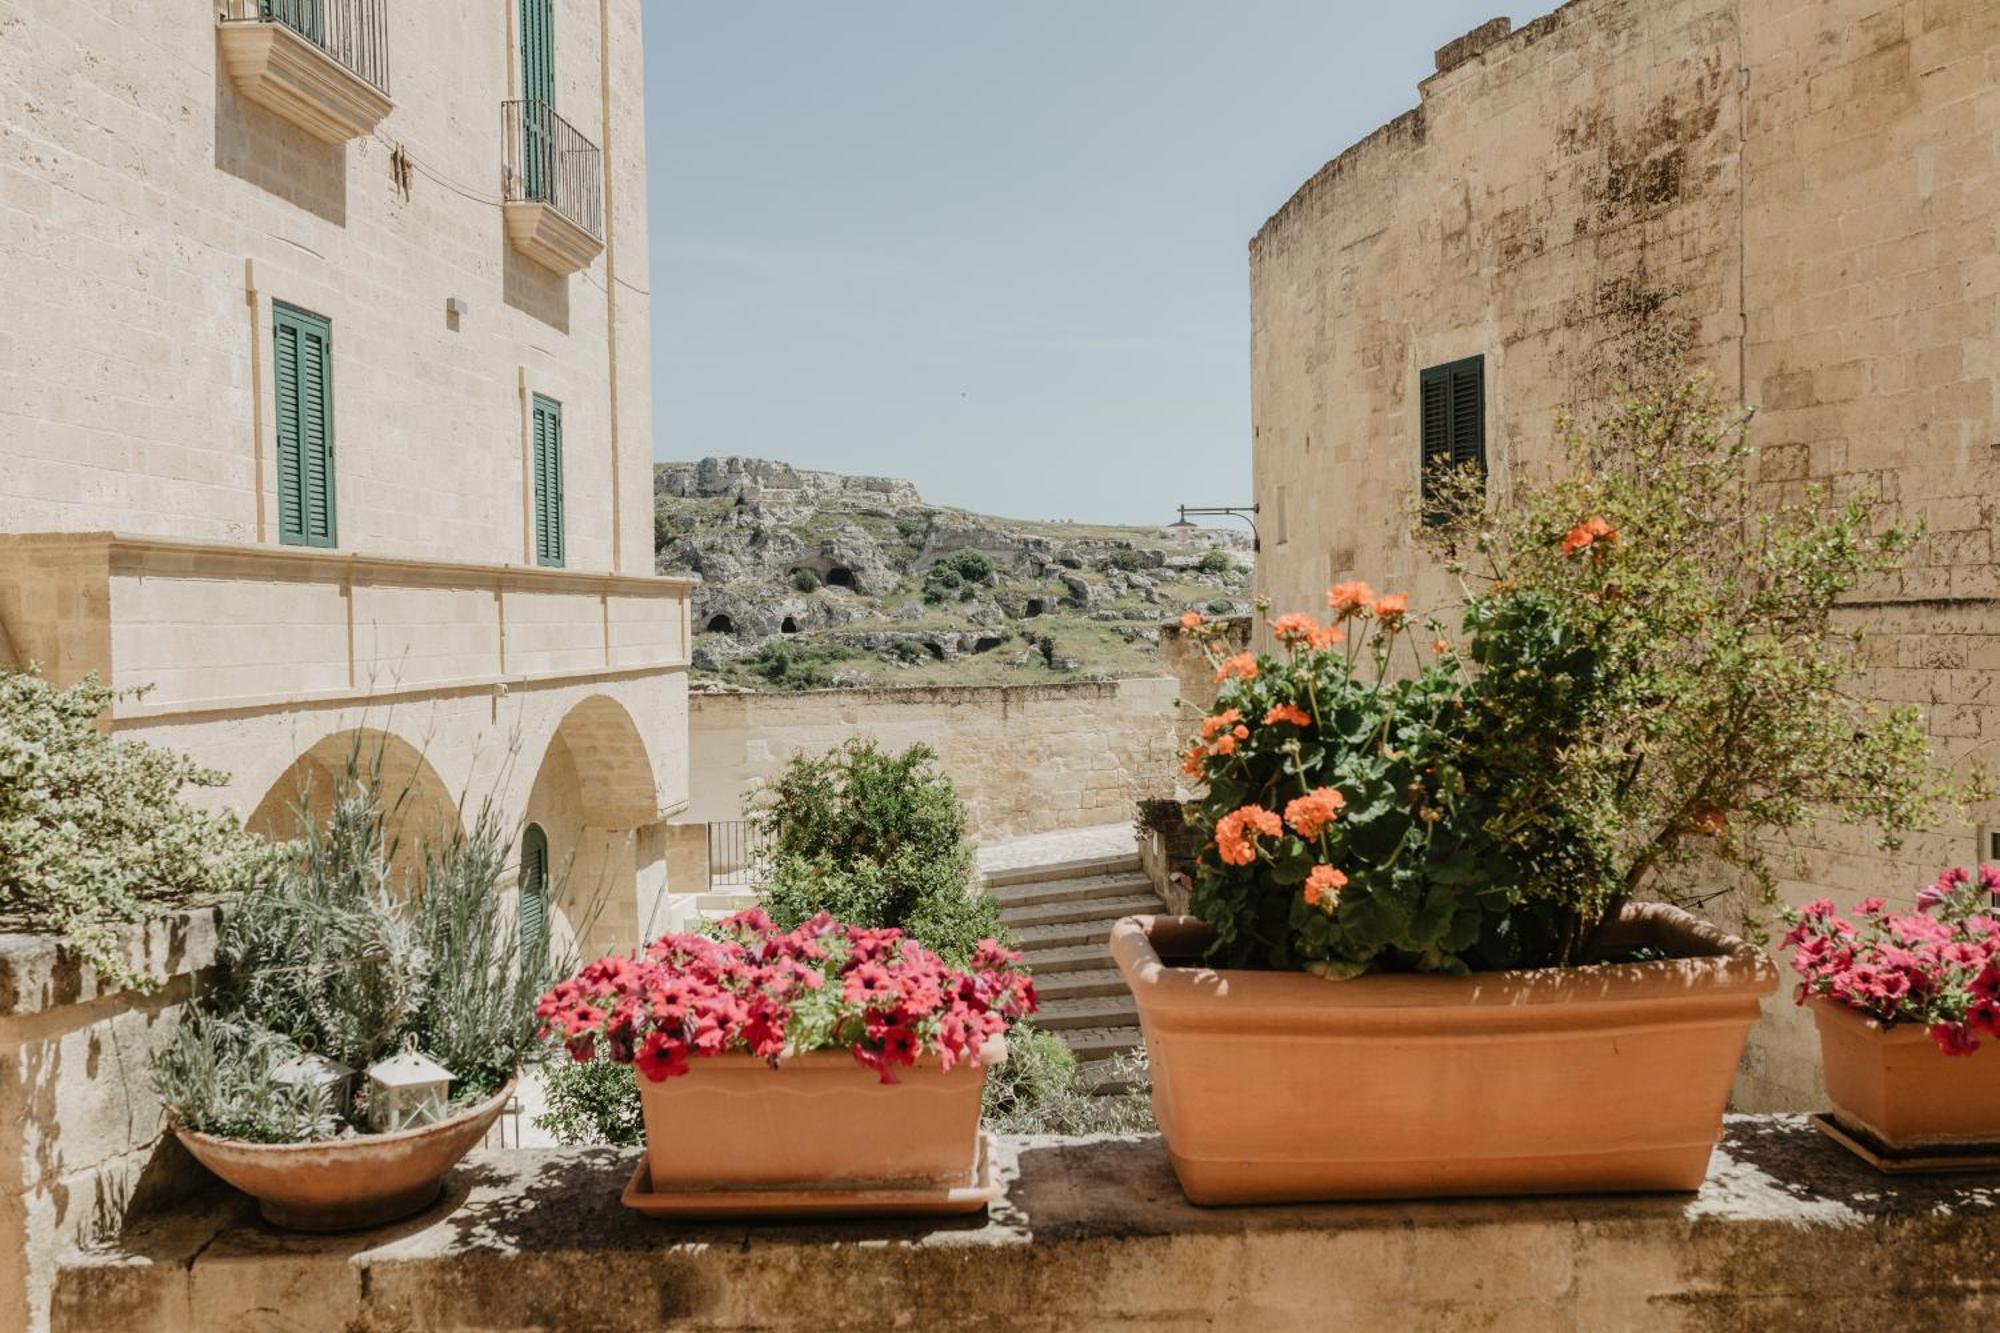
(1278,1086)
(818,1122)
(344,1184)
(1895,1086)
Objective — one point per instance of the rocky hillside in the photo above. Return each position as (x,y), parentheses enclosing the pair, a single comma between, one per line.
(813,579)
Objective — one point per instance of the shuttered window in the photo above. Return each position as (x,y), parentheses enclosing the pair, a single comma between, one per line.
(534,882)
(547,464)
(1453,430)
(538,51)
(303,361)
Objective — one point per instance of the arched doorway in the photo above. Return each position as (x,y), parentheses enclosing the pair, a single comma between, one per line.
(840,576)
(533,881)
(790,626)
(721,624)
(1034,608)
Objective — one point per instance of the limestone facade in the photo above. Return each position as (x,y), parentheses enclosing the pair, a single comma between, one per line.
(1796,195)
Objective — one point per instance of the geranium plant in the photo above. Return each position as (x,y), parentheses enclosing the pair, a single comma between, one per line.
(1649,683)
(1935,966)
(759,990)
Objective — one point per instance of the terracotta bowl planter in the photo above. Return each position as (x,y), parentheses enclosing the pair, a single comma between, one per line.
(1893,1085)
(349,1183)
(1278,1086)
(818,1122)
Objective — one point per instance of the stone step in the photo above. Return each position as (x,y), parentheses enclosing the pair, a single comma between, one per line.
(1071,889)
(1080,984)
(1122,864)
(723,904)
(1091,909)
(1089,1044)
(1066,934)
(1095,1011)
(1104,1081)
(1055,962)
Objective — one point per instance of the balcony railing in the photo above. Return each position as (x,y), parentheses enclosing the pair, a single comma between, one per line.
(548,162)
(353,32)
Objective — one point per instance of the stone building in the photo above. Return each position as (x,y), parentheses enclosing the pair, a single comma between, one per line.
(1799,196)
(325,410)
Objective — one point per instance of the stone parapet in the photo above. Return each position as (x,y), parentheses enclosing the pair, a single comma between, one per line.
(1094,1233)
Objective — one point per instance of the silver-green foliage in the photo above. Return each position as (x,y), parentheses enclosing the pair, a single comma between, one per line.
(216,1077)
(94,830)
(1041,1089)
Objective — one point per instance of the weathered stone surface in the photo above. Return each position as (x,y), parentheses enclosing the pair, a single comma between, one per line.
(1094,1233)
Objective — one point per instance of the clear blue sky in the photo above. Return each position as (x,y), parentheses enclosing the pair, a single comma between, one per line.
(994,248)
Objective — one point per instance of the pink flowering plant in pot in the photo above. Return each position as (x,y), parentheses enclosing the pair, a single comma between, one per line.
(828,1057)
(1901,1001)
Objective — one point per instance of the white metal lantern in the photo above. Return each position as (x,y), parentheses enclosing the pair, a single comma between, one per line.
(407,1090)
(334,1080)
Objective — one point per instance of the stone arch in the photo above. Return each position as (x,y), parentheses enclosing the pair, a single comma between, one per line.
(1034,608)
(720,624)
(790,626)
(592,793)
(840,576)
(419,806)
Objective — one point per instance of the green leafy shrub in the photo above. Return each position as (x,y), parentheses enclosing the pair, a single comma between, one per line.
(591,1102)
(805,580)
(1649,689)
(1221,607)
(877,839)
(971,566)
(1042,1089)
(1217,562)
(1128,561)
(791,668)
(94,831)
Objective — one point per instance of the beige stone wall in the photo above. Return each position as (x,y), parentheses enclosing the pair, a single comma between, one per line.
(149,216)
(1797,196)
(1024,758)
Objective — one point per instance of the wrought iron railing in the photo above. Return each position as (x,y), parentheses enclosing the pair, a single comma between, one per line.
(735,855)
(548,162)
(353,32)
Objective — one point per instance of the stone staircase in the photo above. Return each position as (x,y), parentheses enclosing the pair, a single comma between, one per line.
(1061,915)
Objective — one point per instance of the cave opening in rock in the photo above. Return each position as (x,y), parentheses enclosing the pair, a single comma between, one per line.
(790,626)
(840,576)
(721,624)
(1035,607)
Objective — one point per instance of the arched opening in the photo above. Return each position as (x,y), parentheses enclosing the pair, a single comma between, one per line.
(1034,608)
(790,626)
(418,808)
(592,793)
(721,624)
(840,576)
(533,882)
(936,649)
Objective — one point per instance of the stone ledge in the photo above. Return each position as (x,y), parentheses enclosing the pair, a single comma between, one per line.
(39,973)
(1788,1230)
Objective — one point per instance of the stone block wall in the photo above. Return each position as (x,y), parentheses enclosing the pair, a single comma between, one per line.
(1796,198)
(1024,758)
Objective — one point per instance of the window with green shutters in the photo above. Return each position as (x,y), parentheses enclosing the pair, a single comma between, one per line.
(548,469)
(1452,433)
(302,362)
(538,92)
(534,882)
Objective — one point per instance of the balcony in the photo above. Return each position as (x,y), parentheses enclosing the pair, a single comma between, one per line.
(321,64)
(554,188)
(213,628)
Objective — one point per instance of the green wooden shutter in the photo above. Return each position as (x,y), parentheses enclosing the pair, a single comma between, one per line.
(538,52)
(534,881)
(302,346)
(548,476)
(1452,427)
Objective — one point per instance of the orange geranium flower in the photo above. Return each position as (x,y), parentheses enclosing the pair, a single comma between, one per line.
(1295,629)
(1350,599)
(1440,646)
(1291,713)
(1191,765)
(1191,620)
(1310,814)
(1325,637)
(1391,607)
(1587,536)
(1243,664)
(1709,819)
(1211,727)
(1323,888)
(1236,833)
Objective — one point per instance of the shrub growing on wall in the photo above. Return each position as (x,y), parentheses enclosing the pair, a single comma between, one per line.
(877,839)
(94,830)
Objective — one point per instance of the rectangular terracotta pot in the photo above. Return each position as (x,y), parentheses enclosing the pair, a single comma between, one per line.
(1279,1086)
(1895,1086)
(818,1121)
